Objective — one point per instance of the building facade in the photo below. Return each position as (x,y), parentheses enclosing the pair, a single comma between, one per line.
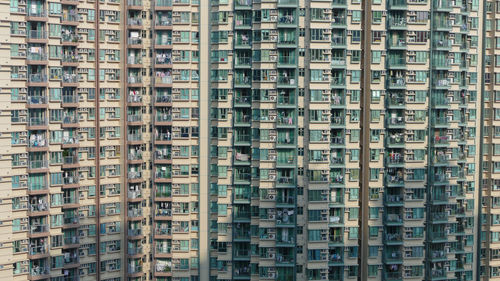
(187,140)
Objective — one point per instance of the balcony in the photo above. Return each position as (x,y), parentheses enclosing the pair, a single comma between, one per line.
(71,240)
(134,79)
(397,43)
(396,122)
(134,41)
(338,62)
(442,5)
(71,221)
(163,99)
(243,62)
(442,83)
(243,23)
(242,81)
(164,136)
(134,4)
(71,120)
(393,219)
(393,238)
(71,179)
(134,213)
(36,13)
(71,259)
(132,175)
(163,40)
(37,58)
(70,17)
(287,3)
(134,118)
(134,22)
(337,121)
(37,78)
(287,20)
(134,250)
(396,62)
(134,194)
(163,174)
(70,160)
(397,4)
(394,200)
(393,276)
(39,229)
(69,38)
(163,212)
(397,23)
(243,4)
(37,35)
(134,232)
(163,4)
(70,78)
(159,81)
(338,41)
(337,81)
(163,21)
(40,207)
(287,61)
(36,188)
(38,164)
(286,81)
(163,231)
(39,271)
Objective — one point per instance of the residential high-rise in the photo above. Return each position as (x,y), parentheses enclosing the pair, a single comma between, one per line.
(204,140)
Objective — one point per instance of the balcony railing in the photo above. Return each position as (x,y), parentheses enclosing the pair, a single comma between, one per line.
(71,200)
(134,194)
(70,99)
(36,57)
(134,2)
(70,179)
(37,78)
(163,3)
(70,78)
(134,232)
(70,17)
(40,207)
(134,213)
(69,38)
(37,34)
(39,270)
(134,175)
(71,240)
(37,100)
(134,79)
(40,13)
(41,228)
(38,164)
(71,220)
(134,21)
(70,120)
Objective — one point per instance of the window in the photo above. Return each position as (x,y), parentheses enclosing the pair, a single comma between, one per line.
(356,75)
(355,56)
(356,16)
(377,16)
(372,270)
(355,95)
(353,232)
(356,36)
(354,155)
(376,56)
(376,36)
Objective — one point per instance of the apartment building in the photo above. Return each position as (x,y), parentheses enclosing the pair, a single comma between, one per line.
(187,140)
